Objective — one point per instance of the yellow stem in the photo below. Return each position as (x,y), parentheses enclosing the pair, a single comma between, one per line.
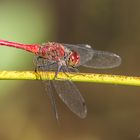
(78,77)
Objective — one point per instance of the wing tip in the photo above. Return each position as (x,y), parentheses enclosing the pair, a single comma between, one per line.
(83,113)
(119,60)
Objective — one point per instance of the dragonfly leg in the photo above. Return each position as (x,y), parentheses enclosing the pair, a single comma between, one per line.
(58,70)
(38,77)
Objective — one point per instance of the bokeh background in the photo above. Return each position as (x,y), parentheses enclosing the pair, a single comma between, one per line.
(113,110)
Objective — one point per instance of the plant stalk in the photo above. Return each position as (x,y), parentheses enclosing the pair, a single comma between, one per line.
(76,77)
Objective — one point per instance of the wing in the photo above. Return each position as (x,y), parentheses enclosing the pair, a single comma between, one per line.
(103,60)
(41,66)
(66,90)
(71,96)
(94,58)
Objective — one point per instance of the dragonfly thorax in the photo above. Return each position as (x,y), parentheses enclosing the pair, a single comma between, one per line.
(57,52)
(52,51)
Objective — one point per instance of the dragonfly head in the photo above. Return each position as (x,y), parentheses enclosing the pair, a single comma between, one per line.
(74,59)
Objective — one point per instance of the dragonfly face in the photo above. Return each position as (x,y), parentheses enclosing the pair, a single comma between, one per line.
(74,59)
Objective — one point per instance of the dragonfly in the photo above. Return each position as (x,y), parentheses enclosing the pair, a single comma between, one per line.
(59,57)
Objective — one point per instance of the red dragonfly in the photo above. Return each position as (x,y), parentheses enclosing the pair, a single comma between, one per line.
(58,57)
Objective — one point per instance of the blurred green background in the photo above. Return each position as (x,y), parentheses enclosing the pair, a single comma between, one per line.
(113,110)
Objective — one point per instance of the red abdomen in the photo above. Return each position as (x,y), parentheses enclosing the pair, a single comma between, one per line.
(52,51)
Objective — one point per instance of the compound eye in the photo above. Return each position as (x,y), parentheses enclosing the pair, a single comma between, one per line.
(74,59)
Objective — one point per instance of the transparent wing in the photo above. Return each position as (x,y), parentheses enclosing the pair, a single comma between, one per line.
(41,66)
(66,90)
(94,58)
(71,96)
(102,60)
(85,51)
